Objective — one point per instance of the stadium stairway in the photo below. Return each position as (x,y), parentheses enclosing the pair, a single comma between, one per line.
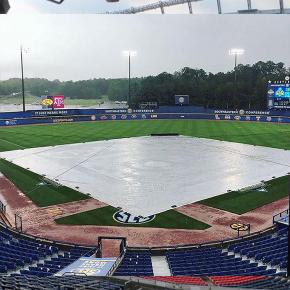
(160,266)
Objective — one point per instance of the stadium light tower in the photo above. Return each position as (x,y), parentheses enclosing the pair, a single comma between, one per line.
(236,52)
(129,54)
(22,50)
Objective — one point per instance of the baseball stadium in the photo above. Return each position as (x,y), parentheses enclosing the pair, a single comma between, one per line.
(152,188)
(175,178)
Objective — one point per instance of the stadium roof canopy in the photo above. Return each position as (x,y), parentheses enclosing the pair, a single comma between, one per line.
(130,6)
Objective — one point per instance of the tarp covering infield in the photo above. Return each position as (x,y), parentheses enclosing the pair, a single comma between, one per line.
(166,112)
(148,175)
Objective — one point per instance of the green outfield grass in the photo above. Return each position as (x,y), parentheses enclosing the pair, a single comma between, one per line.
(264,134)
(41,195)
(240,202)
(170,219)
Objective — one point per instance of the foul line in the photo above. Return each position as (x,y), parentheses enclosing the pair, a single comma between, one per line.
(13,143)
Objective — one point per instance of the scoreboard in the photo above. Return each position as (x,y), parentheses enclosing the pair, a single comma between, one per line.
(278,96)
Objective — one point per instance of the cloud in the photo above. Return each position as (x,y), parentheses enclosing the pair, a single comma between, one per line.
(90,46)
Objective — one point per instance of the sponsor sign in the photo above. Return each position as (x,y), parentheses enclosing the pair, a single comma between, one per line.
(52,102)
(241,112)
(58,102)
(89,267)
(62,120)
(11,122)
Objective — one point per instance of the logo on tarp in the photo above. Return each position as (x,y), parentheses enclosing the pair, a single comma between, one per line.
(127,218)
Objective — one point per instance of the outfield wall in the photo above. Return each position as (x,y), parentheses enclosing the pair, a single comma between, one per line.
(166,112)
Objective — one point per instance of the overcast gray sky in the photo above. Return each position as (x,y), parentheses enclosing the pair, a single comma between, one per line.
(95,6)
(90,46)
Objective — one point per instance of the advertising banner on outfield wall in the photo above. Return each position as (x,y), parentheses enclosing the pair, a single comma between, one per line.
(52,102)
(58,115)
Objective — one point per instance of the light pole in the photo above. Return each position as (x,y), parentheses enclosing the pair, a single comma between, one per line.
(235,52)
(129,54)
(22,78)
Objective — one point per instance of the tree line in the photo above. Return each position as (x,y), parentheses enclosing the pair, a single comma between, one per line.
(210,90)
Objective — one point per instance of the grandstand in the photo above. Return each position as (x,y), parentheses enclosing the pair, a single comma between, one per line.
(263,254)
(258,261)
(260,254)
(29,256)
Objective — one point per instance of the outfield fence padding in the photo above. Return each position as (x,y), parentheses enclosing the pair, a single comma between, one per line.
(166,112)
